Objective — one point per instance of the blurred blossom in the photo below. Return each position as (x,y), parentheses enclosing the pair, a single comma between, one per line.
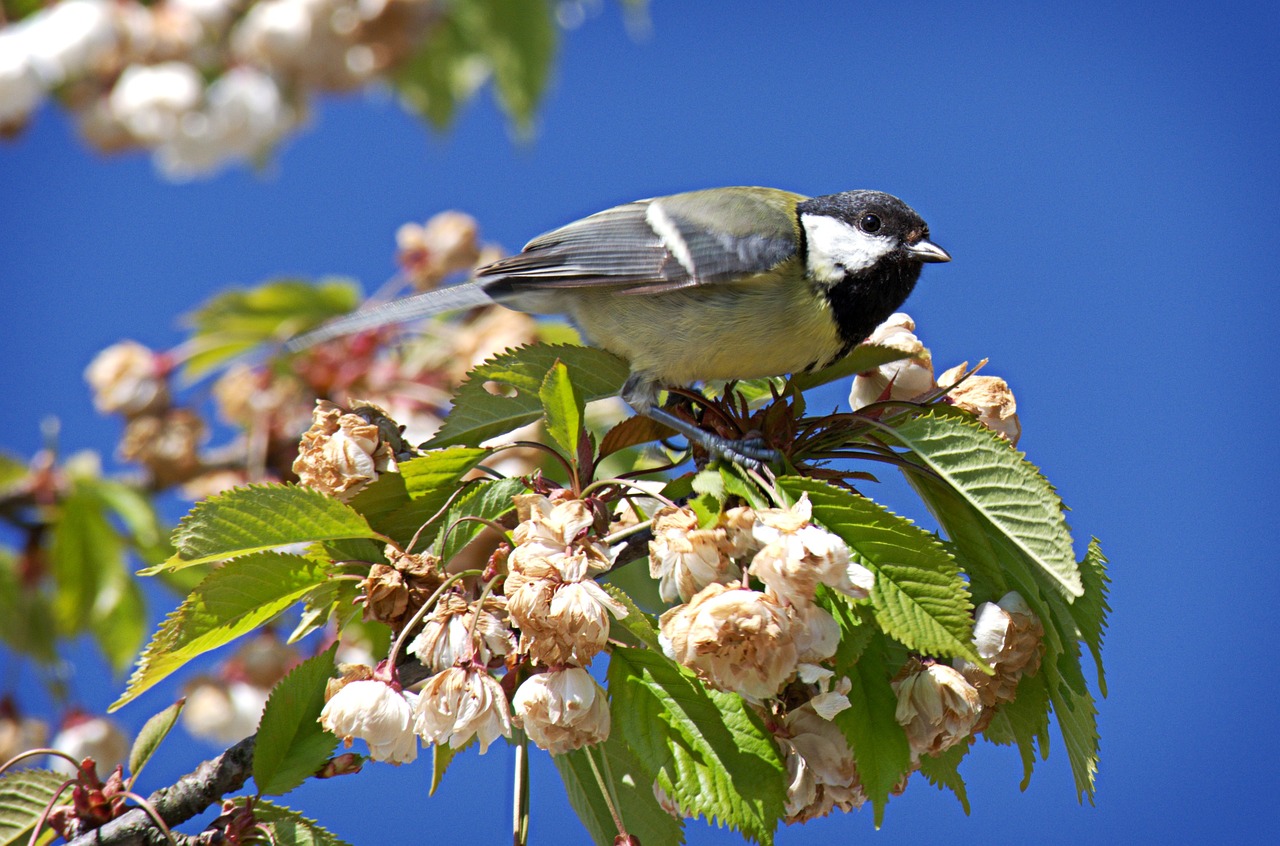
(904,379)
(988,398)
(128,378)
(446,244)
(379,714)
(86,736)
(166,444)
(738,640)
(18,733)
(562,710)
(223,712)
(149,100)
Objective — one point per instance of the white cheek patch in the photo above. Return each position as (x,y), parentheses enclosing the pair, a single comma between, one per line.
(837,248)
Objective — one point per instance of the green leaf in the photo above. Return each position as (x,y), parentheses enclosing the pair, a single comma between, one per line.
(258,518)
(943,772)
(479,415)
(442,755)
(23,797)
(234,600)
(1090,610)
(445,72)
(397,504)
(119,619)
(879,743)
(1077,720)
(291,744)
(12,470)
(637,623)
(1025,722)
(518,37)
(999,484)
(919,596)
(27,622)
(710,752)
(85,552)
(488,500)
(235,322)
(286,827)
(151,735)
(856,626)
(864,357)
(562,409)
(138,514)
(630,786)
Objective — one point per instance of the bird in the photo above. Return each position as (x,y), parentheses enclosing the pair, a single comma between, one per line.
(713,284)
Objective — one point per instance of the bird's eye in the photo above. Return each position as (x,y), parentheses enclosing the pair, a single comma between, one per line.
(869,223)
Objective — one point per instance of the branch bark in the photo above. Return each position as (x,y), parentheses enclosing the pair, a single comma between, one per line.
(184,799)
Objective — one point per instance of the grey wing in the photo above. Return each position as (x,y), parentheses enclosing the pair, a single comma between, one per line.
(655,245)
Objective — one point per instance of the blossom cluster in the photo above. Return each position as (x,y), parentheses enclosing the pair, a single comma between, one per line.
(495,659)
(202,83)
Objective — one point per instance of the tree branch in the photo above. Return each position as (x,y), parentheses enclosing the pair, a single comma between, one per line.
(184,799)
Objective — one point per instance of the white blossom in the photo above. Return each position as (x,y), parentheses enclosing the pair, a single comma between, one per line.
(377,713)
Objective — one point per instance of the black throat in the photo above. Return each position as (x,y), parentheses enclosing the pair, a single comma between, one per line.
(860,302)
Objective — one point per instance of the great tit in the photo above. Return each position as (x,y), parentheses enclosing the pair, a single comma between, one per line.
(723,283)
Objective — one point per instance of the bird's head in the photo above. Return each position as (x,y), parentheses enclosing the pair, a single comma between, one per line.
(857,232)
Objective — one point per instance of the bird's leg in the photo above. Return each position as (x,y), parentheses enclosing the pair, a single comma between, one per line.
(641,394)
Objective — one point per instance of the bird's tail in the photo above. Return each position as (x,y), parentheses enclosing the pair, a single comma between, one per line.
(439,301)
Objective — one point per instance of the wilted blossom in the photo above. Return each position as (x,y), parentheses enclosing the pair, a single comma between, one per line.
(223,712)
(86,736)
(903,379)
(937,707)
(562,710)
(128,378)
(988,398)
(797,555)
(460,703)
(821,773)
(341,452)
(447,639)
(817,634)
(738,640)
(685,559)
(1008,636)
(394,592)
(562,614)
(378,713)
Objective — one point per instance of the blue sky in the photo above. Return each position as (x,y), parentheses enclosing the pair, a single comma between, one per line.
(1105,176)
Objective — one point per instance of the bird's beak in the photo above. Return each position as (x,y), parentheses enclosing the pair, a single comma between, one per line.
(926,250)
